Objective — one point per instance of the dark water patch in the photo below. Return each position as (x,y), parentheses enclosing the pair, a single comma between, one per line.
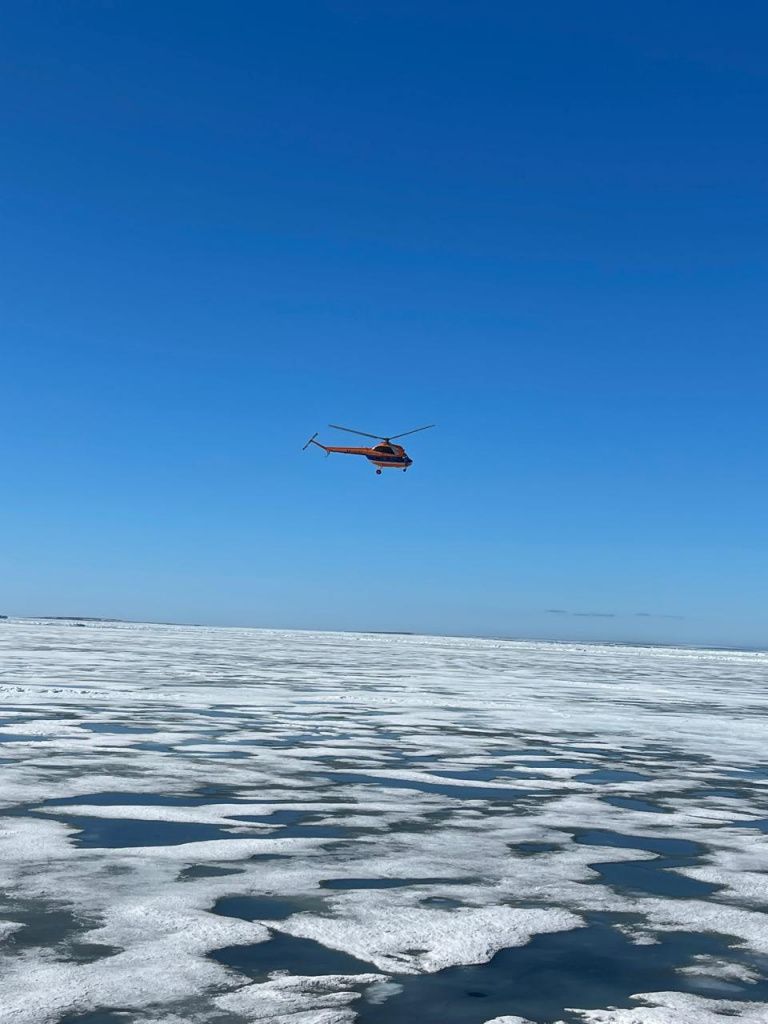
(390,883)
(196,871)
(761,824)
(254,908)
(287,953)
(356,763)
(263,743)
(651,877)
(98,1017)
(201,796)
(284,816)
(21,737)
(318,832)
(501,775)
(555,762)
(653,844)
(591,968)
(471,775)
(132,799)
(115,833)
(16,720)
(457,792)
(603,775)
(608,753)
(221,792)
(643,755)
(44,924)
(531,849)
(720,794)
(89,952)
(117,727)
(300,830)
(414,825)
(286,741)
(415,759)
(535,751)
(633,804)
(442,902)
(758,772)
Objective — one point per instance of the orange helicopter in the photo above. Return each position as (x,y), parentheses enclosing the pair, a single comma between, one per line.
(383,456)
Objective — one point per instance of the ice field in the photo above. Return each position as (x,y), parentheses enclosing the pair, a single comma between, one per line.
(230,825)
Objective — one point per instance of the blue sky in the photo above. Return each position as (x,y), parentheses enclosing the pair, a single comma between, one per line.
(541,226)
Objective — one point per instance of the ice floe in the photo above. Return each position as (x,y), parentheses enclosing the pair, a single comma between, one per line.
(383,929)
(676,1008)
(412,803)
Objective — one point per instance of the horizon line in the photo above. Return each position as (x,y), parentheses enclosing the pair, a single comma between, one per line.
(90,619)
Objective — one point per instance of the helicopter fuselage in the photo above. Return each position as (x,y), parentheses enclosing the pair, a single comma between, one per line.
(383,456)
(389,456)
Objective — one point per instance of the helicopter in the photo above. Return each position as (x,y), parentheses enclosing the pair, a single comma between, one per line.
(384,455)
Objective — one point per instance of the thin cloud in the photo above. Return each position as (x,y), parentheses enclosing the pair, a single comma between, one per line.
(612,615)
(656,615)
(582,615)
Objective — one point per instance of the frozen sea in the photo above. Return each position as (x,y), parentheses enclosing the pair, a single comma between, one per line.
(231,825)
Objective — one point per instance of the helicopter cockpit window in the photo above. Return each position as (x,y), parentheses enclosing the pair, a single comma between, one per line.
(385,449)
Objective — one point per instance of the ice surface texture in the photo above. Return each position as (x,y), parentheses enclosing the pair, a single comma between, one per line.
(226,825)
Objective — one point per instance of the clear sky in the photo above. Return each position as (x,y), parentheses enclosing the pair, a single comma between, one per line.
(540,225)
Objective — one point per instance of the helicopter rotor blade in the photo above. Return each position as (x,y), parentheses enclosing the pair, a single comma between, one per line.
(414,431)
(376,437)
